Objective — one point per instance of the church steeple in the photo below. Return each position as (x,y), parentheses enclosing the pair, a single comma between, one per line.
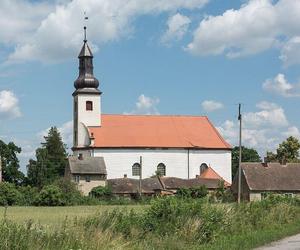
(86,98)
(86,78)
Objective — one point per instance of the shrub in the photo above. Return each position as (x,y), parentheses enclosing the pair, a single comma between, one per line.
(29,195)
(70,193)
(183,193)
(50,196)
(101,192)
(222,194)
(9,195)
(194,192)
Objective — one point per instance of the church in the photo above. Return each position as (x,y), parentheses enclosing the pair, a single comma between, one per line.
(180,146)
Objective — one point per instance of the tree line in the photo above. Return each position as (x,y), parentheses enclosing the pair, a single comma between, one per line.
(48,165)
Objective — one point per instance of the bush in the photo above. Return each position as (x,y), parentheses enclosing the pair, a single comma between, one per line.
(101,192)
(50,196)
(9,195)
(29,195)
(222,194)
(70,193)
(194,192)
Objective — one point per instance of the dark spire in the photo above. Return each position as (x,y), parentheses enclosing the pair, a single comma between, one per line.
(86,78)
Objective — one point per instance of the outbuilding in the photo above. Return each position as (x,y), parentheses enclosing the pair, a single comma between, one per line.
(260,179)
(87,172)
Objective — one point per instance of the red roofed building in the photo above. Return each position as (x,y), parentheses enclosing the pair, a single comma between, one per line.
(174,145)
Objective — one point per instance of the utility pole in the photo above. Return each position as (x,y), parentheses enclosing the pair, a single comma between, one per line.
(240,156)
(140,181)
(0,169)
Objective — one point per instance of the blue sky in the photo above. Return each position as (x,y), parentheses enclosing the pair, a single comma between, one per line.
(197,57)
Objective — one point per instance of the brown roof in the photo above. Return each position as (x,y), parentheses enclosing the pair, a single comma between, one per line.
(86,165)
(274,177)
(157,131)
(130,186)
(149,185)
(176,183)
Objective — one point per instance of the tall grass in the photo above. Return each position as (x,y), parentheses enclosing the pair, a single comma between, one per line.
(168,223)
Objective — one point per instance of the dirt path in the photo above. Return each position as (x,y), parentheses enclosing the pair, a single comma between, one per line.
(289,243)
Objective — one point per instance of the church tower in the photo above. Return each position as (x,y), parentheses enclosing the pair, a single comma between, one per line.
(87,98)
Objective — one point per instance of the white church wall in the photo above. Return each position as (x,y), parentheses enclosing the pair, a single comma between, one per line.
(119,161)
(219,160)
(89,117)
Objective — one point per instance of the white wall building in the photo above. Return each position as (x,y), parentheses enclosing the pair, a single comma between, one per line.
(178,146)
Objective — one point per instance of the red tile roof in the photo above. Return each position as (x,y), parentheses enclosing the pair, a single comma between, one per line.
(157,131)
(209,173)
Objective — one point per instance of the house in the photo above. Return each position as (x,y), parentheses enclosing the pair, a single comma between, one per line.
(157,185)
(131,187)
(173,184)
(258,179)
(88,172)
(174,145)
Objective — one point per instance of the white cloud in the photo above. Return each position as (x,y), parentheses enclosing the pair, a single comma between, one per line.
(281,86)
(292,131)
(270,115)
(9,105)
(177,27)
(20,18)
(210,105)
(267,105)
(290,52)
(257,26)
(263,129)
(109,20)
(145,105)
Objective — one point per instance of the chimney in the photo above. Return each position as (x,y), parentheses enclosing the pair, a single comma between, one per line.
(125,176)
(283,161)
(80,156)
(266,162)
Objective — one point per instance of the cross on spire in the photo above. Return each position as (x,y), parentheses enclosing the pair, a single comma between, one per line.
(85,19)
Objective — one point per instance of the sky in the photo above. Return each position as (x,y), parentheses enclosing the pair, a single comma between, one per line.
(195,57)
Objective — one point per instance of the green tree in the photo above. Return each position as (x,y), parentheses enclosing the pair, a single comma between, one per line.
(37,170)
(288,151)
(248,155)
(10,162)
(50,162)
(56,151)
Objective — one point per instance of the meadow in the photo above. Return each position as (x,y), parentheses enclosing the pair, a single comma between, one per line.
(54,216)
(167,223)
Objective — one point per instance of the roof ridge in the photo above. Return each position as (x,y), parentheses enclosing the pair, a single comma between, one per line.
(218,134)
(168,115)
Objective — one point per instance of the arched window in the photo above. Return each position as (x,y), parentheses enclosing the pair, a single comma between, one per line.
(203,167)
(136,169)
(89,105)
(161,169)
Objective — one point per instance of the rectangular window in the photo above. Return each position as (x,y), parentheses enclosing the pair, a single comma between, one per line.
(87,178)
(77,178)
(89,105)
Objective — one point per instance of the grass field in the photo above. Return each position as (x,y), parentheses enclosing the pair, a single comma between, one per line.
(55,216)
(168,223)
